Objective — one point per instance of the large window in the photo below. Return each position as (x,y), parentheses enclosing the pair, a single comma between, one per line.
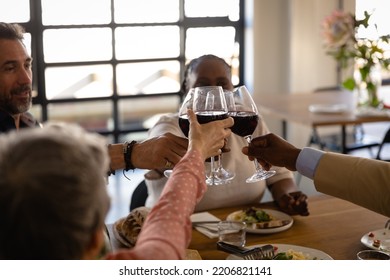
(110,65)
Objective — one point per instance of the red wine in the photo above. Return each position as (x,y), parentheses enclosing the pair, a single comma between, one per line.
(209,116)
(203,117)
(184,124)
(245,123)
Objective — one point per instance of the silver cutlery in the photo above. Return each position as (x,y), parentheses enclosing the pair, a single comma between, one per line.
(265,252)
(204,224)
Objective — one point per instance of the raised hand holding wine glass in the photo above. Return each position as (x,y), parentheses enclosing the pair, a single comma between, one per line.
(209,105)
(244,111)
(184,123)
(224,176)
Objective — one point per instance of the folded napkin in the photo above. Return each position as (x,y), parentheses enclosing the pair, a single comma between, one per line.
(210,230)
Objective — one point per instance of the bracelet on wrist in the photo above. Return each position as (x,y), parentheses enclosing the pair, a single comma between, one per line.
(127,150)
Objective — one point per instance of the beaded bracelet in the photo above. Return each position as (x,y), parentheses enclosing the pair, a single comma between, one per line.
(127,149)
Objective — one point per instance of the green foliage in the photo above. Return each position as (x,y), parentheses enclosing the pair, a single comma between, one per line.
(349,83)
(340,29)
(346,48)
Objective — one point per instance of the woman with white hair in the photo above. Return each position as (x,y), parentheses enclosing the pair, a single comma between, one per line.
(53,198)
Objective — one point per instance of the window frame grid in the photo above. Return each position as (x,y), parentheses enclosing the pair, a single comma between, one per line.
(36,28)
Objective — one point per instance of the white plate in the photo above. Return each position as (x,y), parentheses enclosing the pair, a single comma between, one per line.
(328,108)
(383,235)
(309,253)
(276,214)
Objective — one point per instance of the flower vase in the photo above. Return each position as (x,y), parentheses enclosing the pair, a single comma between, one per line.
(368,80)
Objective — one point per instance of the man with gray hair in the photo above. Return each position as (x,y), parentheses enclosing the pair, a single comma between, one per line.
(15,100)
(15,79)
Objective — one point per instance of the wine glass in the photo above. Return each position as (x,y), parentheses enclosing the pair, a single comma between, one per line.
(224,176)
(209,105)
(184,122)
(244,111)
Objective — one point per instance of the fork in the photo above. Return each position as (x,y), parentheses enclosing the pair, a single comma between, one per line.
(268,252)
(265,252)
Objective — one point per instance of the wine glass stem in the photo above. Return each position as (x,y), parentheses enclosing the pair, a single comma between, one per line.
(257,165)
(212,171)
(219,162)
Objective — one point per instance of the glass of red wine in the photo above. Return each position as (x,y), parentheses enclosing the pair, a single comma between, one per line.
(244,111)
(224,176)
(209,105)
(184,122)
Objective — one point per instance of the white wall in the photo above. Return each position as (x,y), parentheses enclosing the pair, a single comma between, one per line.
(287,55)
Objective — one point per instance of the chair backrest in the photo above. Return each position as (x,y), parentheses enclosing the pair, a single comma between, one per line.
(385,140)
(139,196)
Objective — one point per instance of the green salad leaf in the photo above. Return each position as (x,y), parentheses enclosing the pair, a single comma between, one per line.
(283,256)
(255,215)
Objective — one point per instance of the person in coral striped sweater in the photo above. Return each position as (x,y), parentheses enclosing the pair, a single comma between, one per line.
(53,197)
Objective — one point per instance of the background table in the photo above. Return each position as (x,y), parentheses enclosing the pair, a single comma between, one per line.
(295,108)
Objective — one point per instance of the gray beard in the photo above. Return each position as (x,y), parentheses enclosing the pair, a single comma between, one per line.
(15,108)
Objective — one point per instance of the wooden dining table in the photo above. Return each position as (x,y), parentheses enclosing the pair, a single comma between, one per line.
(295,108)
(334,226)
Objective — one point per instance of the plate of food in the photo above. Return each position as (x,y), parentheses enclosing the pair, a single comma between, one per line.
(262,221)
(377,239)
(126,229)
(292,252)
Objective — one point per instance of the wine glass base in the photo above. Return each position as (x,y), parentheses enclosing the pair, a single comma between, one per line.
(210,181)
(224,175)
(259,176)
